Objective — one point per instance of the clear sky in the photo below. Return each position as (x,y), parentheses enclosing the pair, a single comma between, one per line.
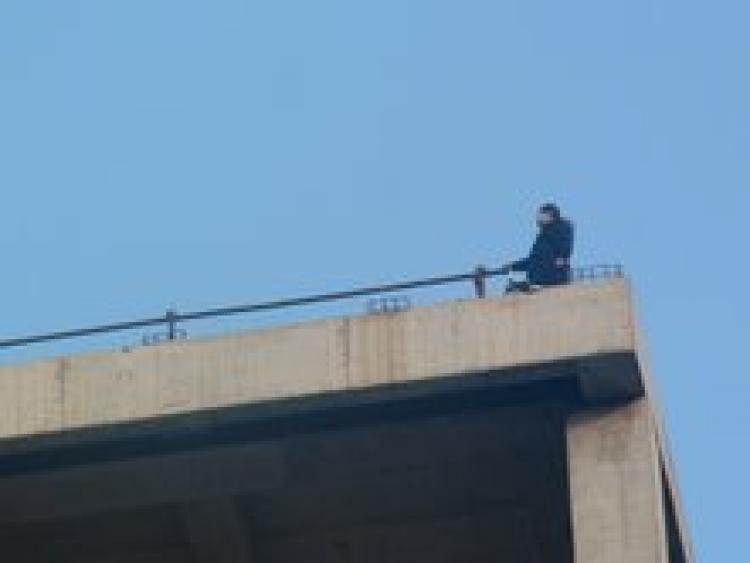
(193,153)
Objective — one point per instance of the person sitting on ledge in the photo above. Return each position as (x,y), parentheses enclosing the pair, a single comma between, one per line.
(548,263)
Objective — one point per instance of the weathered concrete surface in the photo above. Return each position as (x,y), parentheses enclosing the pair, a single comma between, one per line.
(576,322)
(616,486)
(426,450)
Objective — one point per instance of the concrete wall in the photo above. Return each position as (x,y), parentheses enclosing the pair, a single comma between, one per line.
(616,486)
(332,355)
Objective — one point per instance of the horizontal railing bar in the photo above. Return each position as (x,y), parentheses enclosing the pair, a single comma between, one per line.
(81,332)
(327,297)
(173,317)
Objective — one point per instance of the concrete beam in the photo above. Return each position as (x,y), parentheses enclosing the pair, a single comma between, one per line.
(217,532)
(616,488)
(159,556)
(158,480)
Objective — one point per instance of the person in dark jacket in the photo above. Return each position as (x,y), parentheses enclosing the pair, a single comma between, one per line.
(548,263)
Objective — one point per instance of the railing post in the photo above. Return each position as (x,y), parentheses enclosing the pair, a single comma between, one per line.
(480,281)
(171,318)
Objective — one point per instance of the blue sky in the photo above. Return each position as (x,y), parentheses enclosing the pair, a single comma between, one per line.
(176,152)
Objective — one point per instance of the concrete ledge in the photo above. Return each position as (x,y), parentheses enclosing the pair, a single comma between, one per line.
(583,323)
(438,421)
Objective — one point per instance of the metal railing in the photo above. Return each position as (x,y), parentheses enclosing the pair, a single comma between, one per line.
(597,272)
(170,320)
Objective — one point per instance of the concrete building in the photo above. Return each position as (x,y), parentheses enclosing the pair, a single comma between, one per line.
(507,429)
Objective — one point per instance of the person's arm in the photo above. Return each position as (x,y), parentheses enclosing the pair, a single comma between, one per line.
(521,265)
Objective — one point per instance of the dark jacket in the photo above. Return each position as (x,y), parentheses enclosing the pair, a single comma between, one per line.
(554,240)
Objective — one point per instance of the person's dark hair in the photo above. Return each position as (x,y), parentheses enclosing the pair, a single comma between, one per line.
(552,209)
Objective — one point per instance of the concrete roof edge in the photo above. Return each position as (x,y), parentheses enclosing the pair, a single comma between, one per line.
(652,393)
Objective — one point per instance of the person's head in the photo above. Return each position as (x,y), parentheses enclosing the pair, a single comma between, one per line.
(547,214)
